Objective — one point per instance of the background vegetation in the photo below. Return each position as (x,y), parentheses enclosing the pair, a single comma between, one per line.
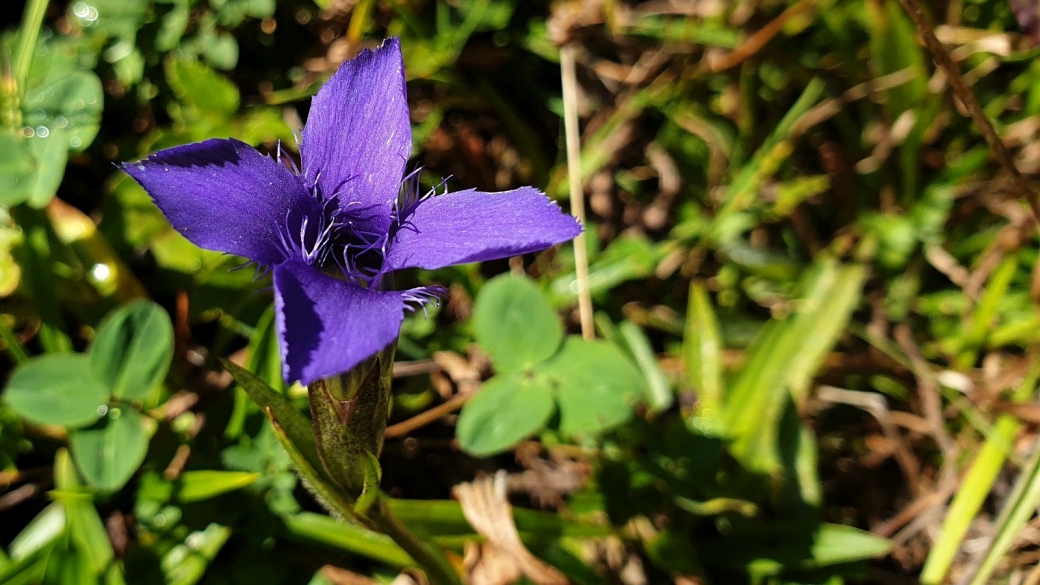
(815,292)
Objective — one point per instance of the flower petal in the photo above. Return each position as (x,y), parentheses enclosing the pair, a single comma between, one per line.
(224,195)
(471,226)
(358,138)
(328,326)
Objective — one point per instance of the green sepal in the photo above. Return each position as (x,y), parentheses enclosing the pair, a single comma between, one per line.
(370,493)
(323,490)
(349,414)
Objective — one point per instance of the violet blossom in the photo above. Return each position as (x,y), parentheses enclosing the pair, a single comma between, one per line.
(334,230)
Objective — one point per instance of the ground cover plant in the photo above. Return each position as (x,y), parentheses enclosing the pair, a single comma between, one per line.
(289,292)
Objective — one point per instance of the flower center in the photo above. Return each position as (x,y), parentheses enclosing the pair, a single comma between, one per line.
(350,241)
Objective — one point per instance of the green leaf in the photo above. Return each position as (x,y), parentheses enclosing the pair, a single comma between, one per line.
(51,151)
(595,385)
(629,257)
(221,50)
(17,168)
(68,99)
(743,191)
(115,18)
(67,565)
(61,111)
(198,86)
(193,486)
(264,354)
(133,349)
(109,453)
(128,66)
(702,351)
(29,551)
(296,428)
(325,491)
(318,528)
(27,571)
(976,486)
(820,321)
(85,526)
(1018,509)
(659,394)
(783,360)
(508,408)
(259,8)
(835,544)
(40,267)
(444,519)
(89,534)
(40,533)
(894,47)
(514,323)
(172,27)
(185,563)
(264,359)
(57,389)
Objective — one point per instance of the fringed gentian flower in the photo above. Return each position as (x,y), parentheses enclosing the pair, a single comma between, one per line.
(333,231)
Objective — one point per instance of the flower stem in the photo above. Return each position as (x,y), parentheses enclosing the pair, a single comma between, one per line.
(32,19)
(11,343)
(358,19)
(437,567)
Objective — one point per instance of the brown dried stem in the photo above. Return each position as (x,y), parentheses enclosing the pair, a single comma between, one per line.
(426,417)
(573,139)
(971,103)
(755,42)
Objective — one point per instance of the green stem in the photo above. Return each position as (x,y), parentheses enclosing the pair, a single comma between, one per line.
(437,567)
(358,17)
(11,344)
(32,20)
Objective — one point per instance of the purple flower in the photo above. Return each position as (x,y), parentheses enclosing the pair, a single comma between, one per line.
(333,231)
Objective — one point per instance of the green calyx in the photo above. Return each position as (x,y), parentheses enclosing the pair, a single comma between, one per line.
(349,414)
